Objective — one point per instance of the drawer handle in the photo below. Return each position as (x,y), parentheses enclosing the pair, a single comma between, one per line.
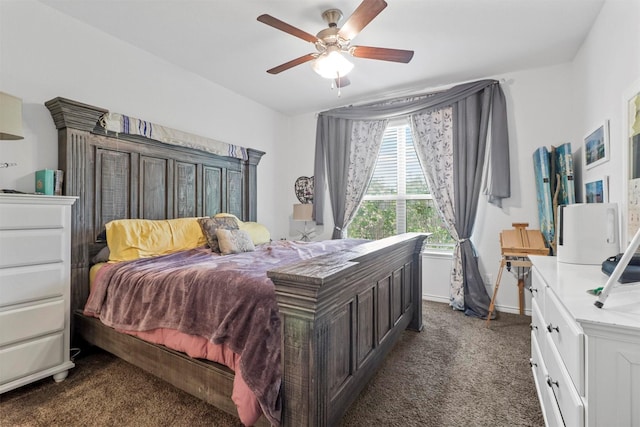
(532,290)
(552,383)
(551,328)
(532,327)
(532,363)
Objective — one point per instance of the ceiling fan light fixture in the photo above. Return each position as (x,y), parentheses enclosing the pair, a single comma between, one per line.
(332,64)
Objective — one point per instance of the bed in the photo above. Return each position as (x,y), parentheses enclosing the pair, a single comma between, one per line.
(340,313)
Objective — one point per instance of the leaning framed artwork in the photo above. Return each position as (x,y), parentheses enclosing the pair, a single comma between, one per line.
(597,191)
(631,135)
(596,146)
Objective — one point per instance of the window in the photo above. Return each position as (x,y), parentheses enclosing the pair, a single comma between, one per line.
(398,198)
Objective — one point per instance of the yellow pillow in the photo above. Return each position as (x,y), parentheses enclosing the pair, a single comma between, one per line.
(259,233)
(130,239)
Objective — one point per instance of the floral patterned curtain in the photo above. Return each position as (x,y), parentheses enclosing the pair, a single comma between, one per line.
(366,138)
(433,139)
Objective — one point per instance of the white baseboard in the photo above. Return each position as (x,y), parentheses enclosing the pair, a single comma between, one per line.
(502,308)
(436,298)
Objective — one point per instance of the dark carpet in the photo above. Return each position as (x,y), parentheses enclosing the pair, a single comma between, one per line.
(454,373)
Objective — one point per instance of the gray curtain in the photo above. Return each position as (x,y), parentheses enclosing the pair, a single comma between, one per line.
(474,104)
(470,141)
(345,143)
(334,131)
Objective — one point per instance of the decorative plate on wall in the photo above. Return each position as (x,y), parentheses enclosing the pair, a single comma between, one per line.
(304,189)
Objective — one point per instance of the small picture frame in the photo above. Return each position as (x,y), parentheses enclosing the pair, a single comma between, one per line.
(597,191)
(596,146)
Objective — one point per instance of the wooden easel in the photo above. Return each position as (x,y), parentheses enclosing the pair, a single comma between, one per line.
(516,246)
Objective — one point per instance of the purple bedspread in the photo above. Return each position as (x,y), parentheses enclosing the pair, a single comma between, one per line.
(226,299)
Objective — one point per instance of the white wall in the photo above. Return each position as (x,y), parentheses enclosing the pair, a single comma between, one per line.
(563,104)
(540,113)
(45,54)
(297,160)
(607,64)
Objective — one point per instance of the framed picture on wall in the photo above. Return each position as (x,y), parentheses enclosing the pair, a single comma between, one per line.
(596,146)
(597,191)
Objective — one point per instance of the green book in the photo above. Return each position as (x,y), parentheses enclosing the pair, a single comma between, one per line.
(45,181)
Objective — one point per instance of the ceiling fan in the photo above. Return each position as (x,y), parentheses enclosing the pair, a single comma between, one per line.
(331,43)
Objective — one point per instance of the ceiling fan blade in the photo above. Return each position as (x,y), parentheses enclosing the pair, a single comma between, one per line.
(283,26)
(384,54)
(292,63)
(342,81)
(361,17)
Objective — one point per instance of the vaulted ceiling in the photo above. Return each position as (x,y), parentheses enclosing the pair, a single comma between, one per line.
(453,40)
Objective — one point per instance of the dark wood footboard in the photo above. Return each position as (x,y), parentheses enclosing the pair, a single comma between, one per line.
(341,314)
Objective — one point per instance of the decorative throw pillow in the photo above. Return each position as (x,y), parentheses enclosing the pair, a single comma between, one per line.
(234,241)
(102,256)
(210,225)
(258,232)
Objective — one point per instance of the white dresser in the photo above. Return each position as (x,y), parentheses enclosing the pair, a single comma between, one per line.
(585,360)
(34,288)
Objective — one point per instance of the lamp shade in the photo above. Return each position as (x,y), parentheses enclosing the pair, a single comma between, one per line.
(10,117)
(303,212)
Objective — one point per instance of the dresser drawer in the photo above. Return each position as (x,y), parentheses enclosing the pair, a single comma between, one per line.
(568,339)
(558,380)
(538,327)
(22,284)
(30,357)
(30,247)
(21,216)
(548,404)
(537,289)
(31,321)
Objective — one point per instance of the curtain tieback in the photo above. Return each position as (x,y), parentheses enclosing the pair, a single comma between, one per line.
(460,241)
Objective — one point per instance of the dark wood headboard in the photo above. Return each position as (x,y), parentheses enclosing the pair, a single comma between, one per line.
(120,176)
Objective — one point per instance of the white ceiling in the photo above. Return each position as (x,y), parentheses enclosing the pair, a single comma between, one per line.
(453,40)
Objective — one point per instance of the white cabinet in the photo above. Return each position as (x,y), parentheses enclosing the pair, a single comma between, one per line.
(34,288)
(585,360)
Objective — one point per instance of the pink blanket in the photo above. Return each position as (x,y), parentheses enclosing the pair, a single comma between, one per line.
(225,299)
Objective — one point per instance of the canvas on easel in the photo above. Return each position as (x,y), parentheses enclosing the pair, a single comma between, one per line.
(516,245)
